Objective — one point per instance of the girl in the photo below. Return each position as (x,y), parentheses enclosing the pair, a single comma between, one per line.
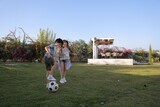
(65,63)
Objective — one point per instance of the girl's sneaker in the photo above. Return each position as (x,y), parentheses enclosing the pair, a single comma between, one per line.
(62,81)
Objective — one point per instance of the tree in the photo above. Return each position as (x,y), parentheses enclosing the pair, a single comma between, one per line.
(80,48)
(155,55)
(150,55)
(90,49)
(45,37)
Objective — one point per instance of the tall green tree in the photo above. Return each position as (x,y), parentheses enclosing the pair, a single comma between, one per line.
(150,55)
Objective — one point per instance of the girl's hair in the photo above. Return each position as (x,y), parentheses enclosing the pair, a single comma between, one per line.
(71,52)
(66,42)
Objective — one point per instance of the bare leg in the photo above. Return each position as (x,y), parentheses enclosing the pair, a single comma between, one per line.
(53,68)
(47,81)
(62,69)
(64,73)
(47,73)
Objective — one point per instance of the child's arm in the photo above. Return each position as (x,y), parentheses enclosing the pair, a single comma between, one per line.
(58,53)
(61,54)
(47,48)
(72,54)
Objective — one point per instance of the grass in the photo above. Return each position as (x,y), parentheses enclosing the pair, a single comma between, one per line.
(23,85)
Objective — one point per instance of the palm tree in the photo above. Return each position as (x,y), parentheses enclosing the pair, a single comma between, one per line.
(45,37)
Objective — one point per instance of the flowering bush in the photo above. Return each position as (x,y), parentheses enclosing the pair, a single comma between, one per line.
(27,50)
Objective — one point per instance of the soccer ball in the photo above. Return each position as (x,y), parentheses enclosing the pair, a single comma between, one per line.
(53,86)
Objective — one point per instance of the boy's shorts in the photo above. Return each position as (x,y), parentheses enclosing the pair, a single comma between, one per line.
(49,62)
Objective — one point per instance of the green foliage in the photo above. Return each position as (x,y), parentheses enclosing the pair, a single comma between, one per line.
(155,55)
(90,49)
(3,51)
(8,46)
(137,58)
(140,55)
(80,48)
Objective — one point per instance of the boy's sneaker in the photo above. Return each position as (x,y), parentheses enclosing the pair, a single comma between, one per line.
(62,81)
(51,78)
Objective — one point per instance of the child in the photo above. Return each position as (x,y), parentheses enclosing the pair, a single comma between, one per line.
(65,63)
(50,58)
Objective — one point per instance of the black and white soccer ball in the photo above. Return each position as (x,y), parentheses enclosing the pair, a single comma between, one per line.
(53,86)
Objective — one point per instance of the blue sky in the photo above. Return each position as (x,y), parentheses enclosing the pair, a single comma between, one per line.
(133,23)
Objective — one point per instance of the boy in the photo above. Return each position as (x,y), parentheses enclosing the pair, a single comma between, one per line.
(51,58)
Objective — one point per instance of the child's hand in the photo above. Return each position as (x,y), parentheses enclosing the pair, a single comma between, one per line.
(74,54)
(56,55)
(49,55)
(61,55)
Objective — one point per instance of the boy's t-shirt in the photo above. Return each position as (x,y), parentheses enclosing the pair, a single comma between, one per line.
(52,48)
(56,52)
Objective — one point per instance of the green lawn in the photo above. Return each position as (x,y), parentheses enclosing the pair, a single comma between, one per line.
(23,85)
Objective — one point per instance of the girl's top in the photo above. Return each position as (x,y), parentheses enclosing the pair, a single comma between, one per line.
(65,52)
